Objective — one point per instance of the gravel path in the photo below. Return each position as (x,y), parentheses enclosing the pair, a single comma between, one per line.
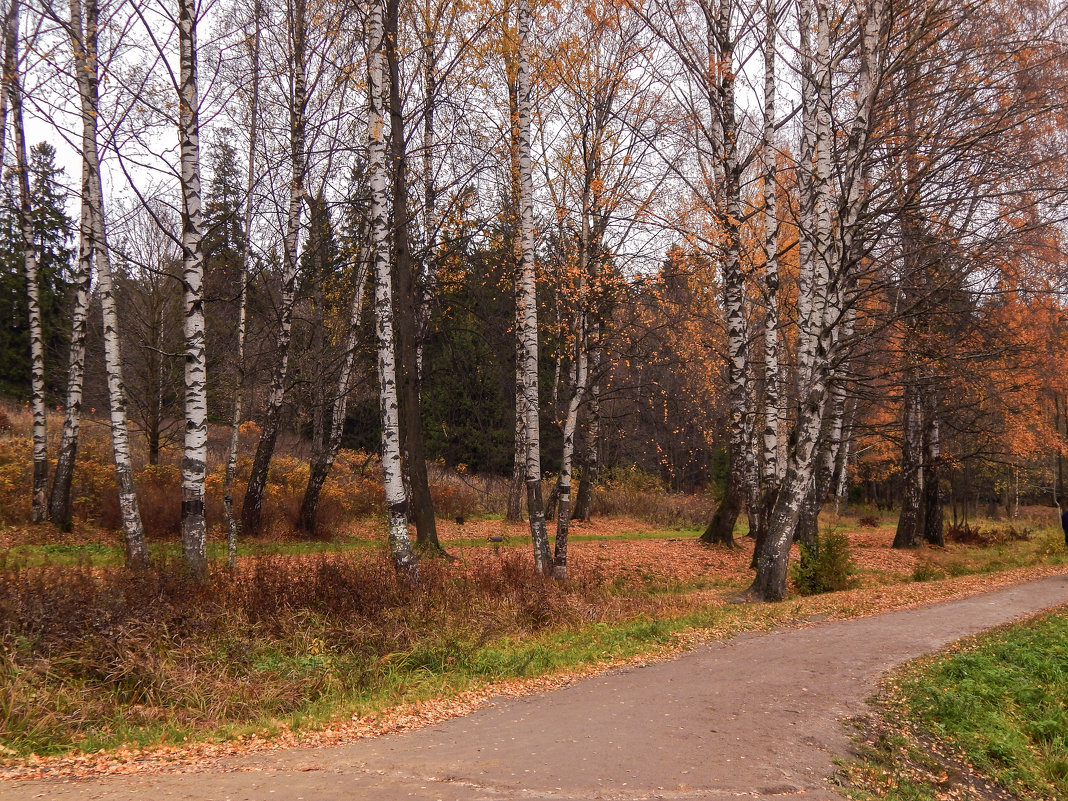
(757,717)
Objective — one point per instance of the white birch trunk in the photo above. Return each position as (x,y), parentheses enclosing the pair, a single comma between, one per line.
(527,326)
(83,38)
(400,546)
(770,472)
(841,467)
(591,465)
(59,509)
(13,90)
(252,509)
(10,67)
(909,532)
(430,194)
(324,457)
(725,146)
(195,447)
(578,394)
(806,186)
(94,225)
(821,323)
(769,214)
(242,313)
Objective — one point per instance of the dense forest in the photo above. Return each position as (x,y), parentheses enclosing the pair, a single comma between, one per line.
(785,254)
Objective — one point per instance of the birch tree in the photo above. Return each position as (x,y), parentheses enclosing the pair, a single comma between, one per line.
(724,144)
(770,464)
(84,49)
(833,268)
(252,509)
(326,452)
(195,448)
(407,318)
(88,90)
(601,174)
(527,306)
(13,92)
(400,546)
(246,262)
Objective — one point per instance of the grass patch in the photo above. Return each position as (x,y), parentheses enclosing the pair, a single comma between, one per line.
(996,708)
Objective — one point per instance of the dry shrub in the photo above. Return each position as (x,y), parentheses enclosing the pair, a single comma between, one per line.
(632,492)
(456,495)
(16,479)
(965,534)
(83,648)
(158,489)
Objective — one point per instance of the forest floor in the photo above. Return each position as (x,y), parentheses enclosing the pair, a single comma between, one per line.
(759,715)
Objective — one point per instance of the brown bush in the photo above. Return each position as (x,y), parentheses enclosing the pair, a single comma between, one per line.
(82,648)
(965,534)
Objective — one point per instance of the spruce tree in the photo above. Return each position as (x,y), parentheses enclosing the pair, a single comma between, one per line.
(52,233)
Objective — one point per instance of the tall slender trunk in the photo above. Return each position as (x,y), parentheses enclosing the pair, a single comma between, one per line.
(326,452)
(252,508)
(430,192)
(13,89)
(773,559)
(720,529)
(400,546)
(910,524)
(769,454)
(563,501)
(242,313)
(578,395)
(932,490)
(195,449)
(519,463)
(407,330)
(86,69)
(591,463)
(841,467)
(59,510)
(820,330)
(527,323)
(823,476)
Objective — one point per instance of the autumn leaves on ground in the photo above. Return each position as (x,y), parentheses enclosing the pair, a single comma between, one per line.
(320,641)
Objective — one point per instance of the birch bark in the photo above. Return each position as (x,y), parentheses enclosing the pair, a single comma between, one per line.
(93,205)
(13,90)
(83,38)
(252,508)
(430,193)
(769,454)
(932,491)
(578,392)
(910,526)
(527,323)
(720,529)
(407,319)
(821,329)
(400,546)
(591,463)
(519,464)
(242,313)
(324,456)
(195,448)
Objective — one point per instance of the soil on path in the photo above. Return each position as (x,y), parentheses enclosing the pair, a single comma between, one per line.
(759,716)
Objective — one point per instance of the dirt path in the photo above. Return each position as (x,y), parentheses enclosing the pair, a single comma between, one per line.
(758,716)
